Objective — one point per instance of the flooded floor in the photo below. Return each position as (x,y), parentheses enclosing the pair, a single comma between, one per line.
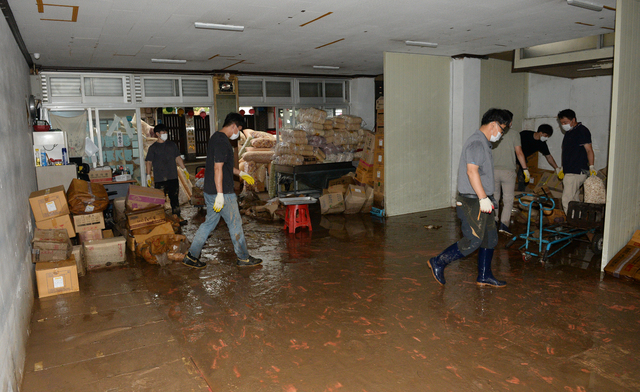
(352,306)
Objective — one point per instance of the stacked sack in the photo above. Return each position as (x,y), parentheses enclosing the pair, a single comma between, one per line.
(312,121)
(255,157)
(293,148)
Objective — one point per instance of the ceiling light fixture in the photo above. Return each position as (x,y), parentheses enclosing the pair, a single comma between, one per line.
(585,5)
(325,67)
(422,44)
(170,61)
(215,26)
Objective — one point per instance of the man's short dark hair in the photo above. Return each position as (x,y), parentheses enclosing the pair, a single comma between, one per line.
(234,118)
(503,117)
(546,129)
(160,128)
(567,113)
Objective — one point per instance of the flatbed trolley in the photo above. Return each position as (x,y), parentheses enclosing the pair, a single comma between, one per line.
(582,219)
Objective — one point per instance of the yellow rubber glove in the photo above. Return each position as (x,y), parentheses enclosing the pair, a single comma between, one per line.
(247,178)
(559,173)
(592,171)
(149,181)
(186,173)
(219,203)
(527,176)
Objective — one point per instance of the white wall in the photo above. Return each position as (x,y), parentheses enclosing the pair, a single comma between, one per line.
(465,111)
(590,98)
(623,185)
(416,132)
(17,181)
(363,100)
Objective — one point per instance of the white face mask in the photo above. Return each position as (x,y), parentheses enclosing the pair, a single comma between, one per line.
(164,136)
(543,138)
(495,138)
(566,127)
(235,136)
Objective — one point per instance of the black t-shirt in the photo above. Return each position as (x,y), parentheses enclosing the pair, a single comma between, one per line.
(574,156)
(530,145)
(219,151)
(163,159)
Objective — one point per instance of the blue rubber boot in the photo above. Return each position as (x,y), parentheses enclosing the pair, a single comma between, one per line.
(485,276)
(445,258)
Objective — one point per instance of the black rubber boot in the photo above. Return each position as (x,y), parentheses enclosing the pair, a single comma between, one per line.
(485,276)
(445,258)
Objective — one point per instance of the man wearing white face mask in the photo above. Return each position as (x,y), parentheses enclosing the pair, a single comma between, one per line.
(163,156)
(577,156)
(475,204)
(218,181)
(533,142)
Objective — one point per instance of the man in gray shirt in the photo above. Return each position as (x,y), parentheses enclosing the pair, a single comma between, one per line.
(475,205)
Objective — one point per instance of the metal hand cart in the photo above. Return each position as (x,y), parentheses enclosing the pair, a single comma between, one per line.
(582,219)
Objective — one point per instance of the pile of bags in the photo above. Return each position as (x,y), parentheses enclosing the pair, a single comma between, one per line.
(255,156)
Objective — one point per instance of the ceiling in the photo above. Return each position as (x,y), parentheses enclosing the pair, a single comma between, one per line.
(288,36)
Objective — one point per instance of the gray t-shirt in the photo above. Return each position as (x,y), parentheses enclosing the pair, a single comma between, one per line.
(476,150)
(504,151)
(163,160)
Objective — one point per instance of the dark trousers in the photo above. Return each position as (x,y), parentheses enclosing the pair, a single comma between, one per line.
(478,228)
(171,189)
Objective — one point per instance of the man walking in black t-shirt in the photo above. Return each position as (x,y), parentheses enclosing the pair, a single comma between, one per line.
(218,181)
(577,156)
(163,156)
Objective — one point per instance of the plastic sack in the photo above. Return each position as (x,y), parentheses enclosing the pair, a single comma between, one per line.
(90,147)
(594,191)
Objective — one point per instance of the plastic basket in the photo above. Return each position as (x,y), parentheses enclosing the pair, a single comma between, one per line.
(585,215)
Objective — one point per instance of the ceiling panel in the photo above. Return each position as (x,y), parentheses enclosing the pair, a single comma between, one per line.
(274,40)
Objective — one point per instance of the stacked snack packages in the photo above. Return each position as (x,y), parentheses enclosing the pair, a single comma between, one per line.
(289,150)
(257,157)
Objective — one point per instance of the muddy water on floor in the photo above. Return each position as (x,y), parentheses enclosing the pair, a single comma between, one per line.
(352,306)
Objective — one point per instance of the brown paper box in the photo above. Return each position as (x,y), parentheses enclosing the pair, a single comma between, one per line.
(136,220)
(87,222)
(332,203)
(78,254)
(49,203)
(57,277)
(625,263)
(105,252)
(140,198)
(60,222)
(354,199)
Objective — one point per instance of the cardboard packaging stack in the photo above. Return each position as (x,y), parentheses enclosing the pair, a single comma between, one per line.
(343,195)
(50,209)
(56,267)
(626,263)
(50,245)
(144,214)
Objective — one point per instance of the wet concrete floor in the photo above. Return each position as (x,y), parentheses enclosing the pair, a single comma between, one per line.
(352,306)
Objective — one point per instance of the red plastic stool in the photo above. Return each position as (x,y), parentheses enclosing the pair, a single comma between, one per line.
(297,215)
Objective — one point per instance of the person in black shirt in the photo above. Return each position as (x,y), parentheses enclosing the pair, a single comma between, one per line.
(533,142)
(220,196)
(577,156)
(164,156)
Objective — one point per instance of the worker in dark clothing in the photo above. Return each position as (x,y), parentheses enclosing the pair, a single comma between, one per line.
(475,203)
(533,142)
(164,157)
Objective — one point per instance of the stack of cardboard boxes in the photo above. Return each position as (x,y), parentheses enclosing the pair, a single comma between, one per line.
(343,195)
(626,263)
(50,209)
(56,266)
(143,214)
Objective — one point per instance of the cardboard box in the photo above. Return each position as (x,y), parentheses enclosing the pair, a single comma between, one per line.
(50,245)
(344,180)
(137,220)
(339,188)
(88,222)
(378,187)
(378,173)
(89,235)
(354,199)
(368,203)
(104,175)
(369,141)
(107,233)
(141,198)
(364,173)
(165,228)
(78,255)
(60,222)
(105,252)
(378,200)
(379,158)
(332,203)
(49,203)
(625,263)
(379,146)
(380,103)
(119,209)
(380,118)
(57,277)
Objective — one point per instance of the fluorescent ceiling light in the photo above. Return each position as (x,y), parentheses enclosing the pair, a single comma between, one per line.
(215,26)
(420,43)
(585,4)
(171,61)
(325,67)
